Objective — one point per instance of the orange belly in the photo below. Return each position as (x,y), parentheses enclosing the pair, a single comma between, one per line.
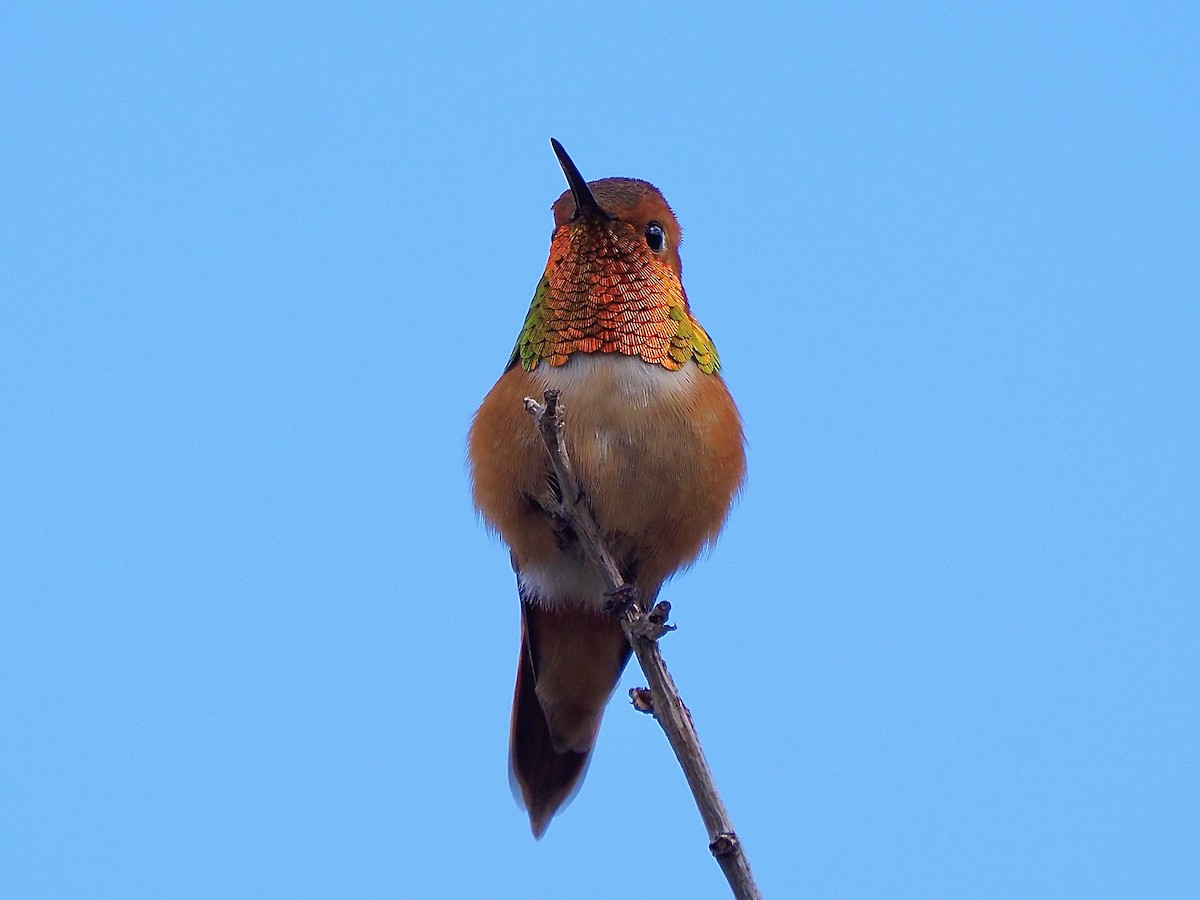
(659,453)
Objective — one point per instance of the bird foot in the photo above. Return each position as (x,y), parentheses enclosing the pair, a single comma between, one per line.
(654,625)
(621,600)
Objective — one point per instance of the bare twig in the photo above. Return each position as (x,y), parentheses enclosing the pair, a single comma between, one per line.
(643,629)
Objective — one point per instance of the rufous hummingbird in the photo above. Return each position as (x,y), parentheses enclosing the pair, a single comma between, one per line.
(656,442)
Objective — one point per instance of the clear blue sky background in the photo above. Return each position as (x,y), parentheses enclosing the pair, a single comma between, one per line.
(260,265)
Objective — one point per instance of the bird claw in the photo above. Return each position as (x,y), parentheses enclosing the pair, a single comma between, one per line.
(621,600)
(654,625)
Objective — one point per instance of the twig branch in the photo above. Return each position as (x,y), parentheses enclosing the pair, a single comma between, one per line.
(643,629)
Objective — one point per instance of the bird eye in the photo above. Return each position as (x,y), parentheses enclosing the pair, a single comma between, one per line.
(655,239)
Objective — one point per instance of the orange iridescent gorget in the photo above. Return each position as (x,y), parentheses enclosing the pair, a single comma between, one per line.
(603,291)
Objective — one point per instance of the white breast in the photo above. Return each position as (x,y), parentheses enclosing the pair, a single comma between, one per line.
(618,425)
(626,379)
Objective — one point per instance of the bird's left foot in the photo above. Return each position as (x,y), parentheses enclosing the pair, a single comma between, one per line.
(654,625)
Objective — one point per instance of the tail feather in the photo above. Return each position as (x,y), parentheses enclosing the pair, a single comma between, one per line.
(543,779)
(569,663)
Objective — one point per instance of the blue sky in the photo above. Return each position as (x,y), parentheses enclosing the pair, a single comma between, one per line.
(261,263)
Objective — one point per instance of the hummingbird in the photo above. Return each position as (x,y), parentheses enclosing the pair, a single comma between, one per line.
(656,442)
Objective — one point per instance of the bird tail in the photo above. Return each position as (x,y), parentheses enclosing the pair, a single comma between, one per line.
(570,661)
